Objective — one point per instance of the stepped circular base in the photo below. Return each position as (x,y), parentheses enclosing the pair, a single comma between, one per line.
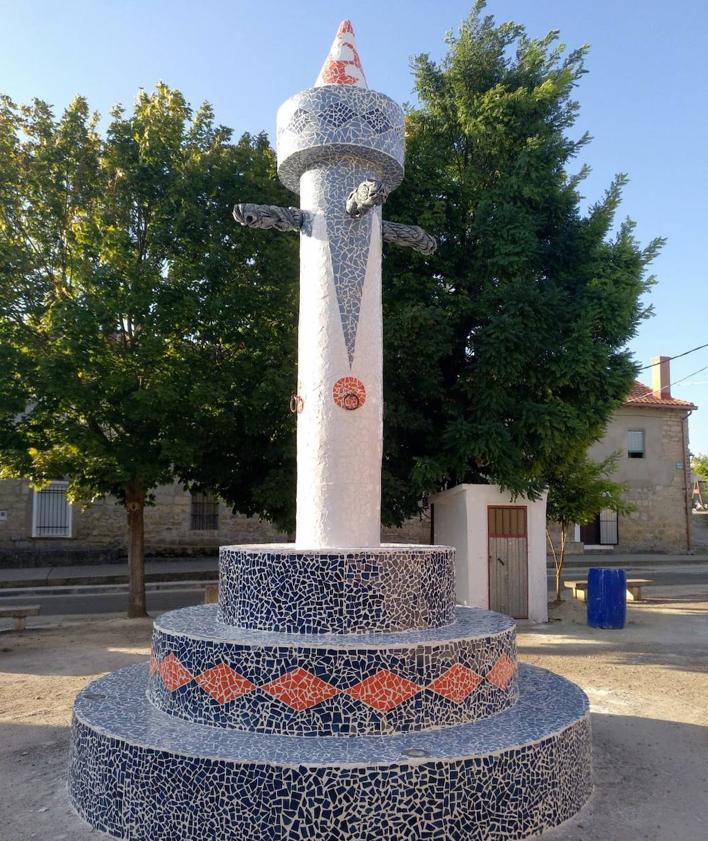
(275,587)
(323,685)
(139,774)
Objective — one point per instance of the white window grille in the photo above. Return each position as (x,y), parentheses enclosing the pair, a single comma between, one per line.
(51,511)
(635,443)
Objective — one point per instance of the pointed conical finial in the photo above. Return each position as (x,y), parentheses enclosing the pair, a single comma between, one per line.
(342,65)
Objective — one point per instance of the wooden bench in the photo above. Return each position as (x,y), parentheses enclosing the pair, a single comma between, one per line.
(20,613)
(634,588)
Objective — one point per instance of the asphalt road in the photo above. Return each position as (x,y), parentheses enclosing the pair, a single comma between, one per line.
(115,601)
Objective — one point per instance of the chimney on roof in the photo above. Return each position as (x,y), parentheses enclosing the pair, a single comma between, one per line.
(661,377)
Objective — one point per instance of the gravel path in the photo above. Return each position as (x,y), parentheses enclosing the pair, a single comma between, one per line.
(647,685)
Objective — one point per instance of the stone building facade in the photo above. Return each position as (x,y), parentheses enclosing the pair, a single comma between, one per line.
(650,434)
(38,529)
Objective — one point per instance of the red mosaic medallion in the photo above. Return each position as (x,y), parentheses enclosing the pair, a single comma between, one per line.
(349,393)
(502,672)
(300,689)
(384,690)
(173,673)
(456,683)
(223,684)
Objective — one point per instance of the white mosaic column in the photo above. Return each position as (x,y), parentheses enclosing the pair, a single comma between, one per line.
(331,138)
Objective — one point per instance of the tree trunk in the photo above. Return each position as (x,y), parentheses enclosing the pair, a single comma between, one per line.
(559,563)
(135,505)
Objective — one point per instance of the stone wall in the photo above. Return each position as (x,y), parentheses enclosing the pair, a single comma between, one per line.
(99,532)
(658,484)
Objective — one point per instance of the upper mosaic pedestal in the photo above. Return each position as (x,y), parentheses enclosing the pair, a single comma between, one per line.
(390,588)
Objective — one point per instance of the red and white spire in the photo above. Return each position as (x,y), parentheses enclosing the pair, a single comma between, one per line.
(342,65)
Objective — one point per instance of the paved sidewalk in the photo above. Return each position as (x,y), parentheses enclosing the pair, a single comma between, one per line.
(165,569)
(629,559)
(206,569)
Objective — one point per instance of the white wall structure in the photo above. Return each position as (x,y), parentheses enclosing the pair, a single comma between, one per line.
(461,520)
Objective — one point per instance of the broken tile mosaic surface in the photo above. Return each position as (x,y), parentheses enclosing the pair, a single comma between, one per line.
(322,125)
(336,693)
(360,685)
(390,588)
(348,239)
(349,393)
(160,778)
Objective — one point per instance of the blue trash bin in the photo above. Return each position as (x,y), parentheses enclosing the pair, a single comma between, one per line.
(607,598)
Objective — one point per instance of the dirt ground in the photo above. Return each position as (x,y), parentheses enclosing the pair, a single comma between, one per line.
(647,684)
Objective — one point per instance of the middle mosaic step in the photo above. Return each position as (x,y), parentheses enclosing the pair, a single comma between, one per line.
(328,684)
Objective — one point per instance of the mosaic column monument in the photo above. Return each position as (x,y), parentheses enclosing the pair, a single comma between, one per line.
(254,718)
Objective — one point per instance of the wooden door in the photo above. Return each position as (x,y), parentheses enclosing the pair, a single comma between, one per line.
(508,560)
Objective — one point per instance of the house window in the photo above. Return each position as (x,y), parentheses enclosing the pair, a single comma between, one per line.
(602,530)
(635,443)
(204,511)
(51,511)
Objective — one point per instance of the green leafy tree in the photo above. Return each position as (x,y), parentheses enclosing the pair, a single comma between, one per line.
(699,465)
(508,346)
(136,335)
(577,491)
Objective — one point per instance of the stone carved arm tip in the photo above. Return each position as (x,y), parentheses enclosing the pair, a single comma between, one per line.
(409,236)
(367,195)
(269,216)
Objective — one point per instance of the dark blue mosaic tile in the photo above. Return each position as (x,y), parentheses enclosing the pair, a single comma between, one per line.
(387,589)
(355,685)
(507,777)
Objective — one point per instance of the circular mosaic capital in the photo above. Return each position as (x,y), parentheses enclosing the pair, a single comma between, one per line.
(326,124)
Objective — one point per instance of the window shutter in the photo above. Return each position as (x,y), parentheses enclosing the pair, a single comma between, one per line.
(51,513)
(608,527)
(635,441)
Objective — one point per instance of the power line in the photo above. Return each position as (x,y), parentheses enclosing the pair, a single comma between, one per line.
(678,356)
(667,387)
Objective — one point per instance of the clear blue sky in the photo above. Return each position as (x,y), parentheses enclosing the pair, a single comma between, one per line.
(644,99)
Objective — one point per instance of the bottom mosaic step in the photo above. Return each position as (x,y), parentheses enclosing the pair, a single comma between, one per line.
(139,774)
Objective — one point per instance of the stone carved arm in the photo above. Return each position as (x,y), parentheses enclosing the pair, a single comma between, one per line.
(293,219)
(269,216)
(372,192)
(409,236)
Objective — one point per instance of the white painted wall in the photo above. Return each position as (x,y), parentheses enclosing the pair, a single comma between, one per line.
(461,521)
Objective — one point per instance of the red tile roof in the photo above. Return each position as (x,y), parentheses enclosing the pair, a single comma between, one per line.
(642,395)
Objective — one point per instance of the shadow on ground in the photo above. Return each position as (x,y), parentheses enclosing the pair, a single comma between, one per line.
(650,781)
